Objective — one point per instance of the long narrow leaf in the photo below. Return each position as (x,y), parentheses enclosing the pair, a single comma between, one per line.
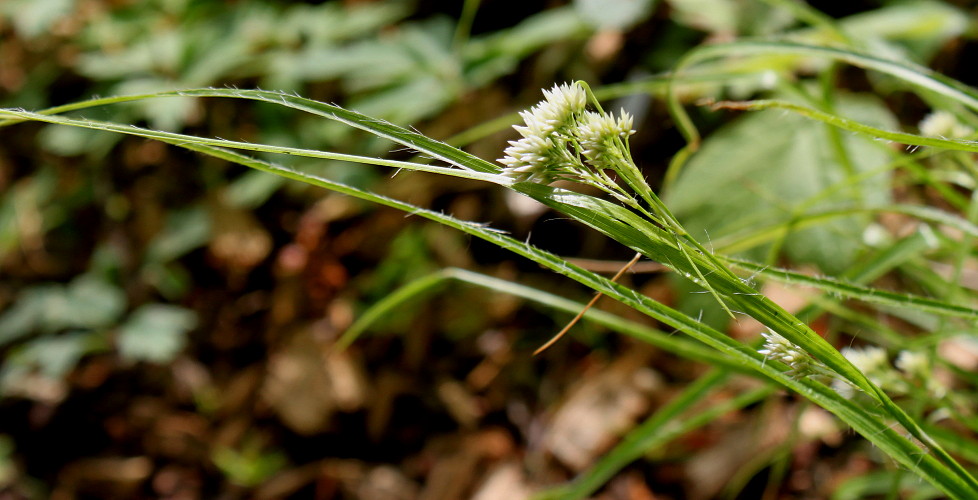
(865,294)
(867,424)
(944,473)
(431,283)
(17,115)
(852,125)
(915,75)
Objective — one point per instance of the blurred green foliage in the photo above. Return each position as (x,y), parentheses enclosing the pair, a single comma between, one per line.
(377,57)
(108,245)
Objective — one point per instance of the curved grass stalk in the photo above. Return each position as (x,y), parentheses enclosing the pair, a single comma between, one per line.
(643,236)
(381,128)
(437,281)
(915,75)
(659,429)
(851,125)
(853,291)
(760,235)
(623,225)
(920,77)
(866,423)
(14,116)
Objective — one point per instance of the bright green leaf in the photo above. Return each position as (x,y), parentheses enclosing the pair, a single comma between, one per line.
(790,166)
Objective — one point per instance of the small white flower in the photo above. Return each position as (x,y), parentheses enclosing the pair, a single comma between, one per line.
(560,139)
(869,359)
(875,364)
(536,159)
(596,134)
(917,367)
(943,124)
(542,154)
(781,349)
(567,98)
(914,364)
(562,105)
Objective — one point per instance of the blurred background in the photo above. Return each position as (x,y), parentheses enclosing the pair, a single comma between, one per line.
(166,319)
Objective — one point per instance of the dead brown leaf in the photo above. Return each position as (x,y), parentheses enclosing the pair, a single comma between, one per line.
(599,410)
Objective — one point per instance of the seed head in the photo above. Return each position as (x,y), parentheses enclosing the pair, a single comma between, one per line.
(917,367)
(542,154)
(536,159)
(875,364)
(943,124)
(597,134)
(781,349)
(560,139)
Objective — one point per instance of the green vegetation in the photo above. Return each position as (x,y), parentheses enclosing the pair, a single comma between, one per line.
(818,242)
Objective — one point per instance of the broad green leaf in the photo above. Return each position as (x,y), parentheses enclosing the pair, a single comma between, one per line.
(21,207)
(922,26)
(25,315)
(90,302)
(70,141)
(789,165)
(33,18)
(330,22)
(146,56)
(183,231)
(56,355)
(491,56)
(155,333)
(87,302)
(714,16)
(732,17)
(529,35)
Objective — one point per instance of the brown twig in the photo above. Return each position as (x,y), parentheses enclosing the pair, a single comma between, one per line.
(580,315)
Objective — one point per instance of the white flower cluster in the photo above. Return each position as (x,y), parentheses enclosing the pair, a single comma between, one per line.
(914,369)
(914,364)
(557,131)
(875,364)
(869,359)
(597,132)
(541,152)
(559,108)
(918,368)
(872,361)
(781,349)
(536,159)
(943,124)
